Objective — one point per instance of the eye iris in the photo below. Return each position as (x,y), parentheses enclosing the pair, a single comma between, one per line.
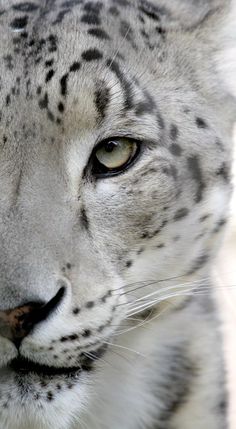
(114,154)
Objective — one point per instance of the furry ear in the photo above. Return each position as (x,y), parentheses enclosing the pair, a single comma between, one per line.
(215,23)
(225,56)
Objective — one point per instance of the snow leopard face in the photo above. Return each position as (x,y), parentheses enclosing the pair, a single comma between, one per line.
(114,182)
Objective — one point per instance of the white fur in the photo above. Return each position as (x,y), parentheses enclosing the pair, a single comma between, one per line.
(226,57)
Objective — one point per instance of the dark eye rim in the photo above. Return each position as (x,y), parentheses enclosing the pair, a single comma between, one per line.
(98,170)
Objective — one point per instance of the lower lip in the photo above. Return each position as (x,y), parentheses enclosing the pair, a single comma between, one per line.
(23,367)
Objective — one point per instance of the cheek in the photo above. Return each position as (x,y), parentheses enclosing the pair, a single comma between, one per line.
(136,203)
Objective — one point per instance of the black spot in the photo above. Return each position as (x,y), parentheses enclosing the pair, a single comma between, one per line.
(8,59)
(50,116)
(49,75)
(126,31)
(52,43)
(174,132)
(153,12)
(203,218)
(181,213)
(71,3)
(92,55)
(61,107)
(84,218)
(91,19)
(161,31)
(107,295)
(50,396)
(223,406)
(146,106)
(114,11)
(25,7)
(60,16)
(129,264)
(122,3)
(76,310)
(175,149)
(195,170)
(64,339)
(49,63)
(19,23)
(219,225)
(8,99)
(73,337)
(68,265)
(102,98)
(43,102)
(39,90)
(99,33)
(93,7)
(160,246)
(201,123)
(86,333)
(198,263)
(89,304)
(224,172)
(63,83)
(75,67)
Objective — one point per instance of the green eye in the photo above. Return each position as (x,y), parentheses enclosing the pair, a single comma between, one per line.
(114,155)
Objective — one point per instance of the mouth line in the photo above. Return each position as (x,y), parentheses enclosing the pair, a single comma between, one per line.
(23,366)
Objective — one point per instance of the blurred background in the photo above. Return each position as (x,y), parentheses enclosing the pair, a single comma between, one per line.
(225,272)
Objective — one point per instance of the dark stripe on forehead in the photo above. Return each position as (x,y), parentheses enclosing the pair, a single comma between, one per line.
(145,106)
(126,86)
(25,7)
(102,99)
(99,33)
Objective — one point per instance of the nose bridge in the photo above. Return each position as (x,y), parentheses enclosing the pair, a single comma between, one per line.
(27,264)
(33,237)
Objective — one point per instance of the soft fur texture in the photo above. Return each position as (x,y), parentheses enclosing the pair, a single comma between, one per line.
(132,252)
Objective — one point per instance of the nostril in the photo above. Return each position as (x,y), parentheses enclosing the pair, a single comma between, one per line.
(16,323)
(43,312)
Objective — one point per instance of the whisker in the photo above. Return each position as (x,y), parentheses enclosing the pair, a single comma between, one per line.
(143,323)
(125,348)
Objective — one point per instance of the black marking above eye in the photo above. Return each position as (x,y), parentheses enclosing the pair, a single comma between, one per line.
(19,23)
(102,98)
(92,55)
(25,7)
(99,33)
(201,123)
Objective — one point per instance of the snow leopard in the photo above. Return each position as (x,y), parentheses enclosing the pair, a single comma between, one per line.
(116,122)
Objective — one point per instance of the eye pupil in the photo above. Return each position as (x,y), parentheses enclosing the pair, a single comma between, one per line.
(110,146)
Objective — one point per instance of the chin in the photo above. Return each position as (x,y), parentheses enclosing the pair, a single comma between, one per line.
(37,401)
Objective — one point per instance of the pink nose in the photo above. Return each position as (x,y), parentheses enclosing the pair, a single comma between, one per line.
(18,321)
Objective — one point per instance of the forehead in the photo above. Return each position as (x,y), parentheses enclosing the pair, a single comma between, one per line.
(71,65)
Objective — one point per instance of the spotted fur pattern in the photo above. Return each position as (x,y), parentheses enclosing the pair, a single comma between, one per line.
(136,326)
